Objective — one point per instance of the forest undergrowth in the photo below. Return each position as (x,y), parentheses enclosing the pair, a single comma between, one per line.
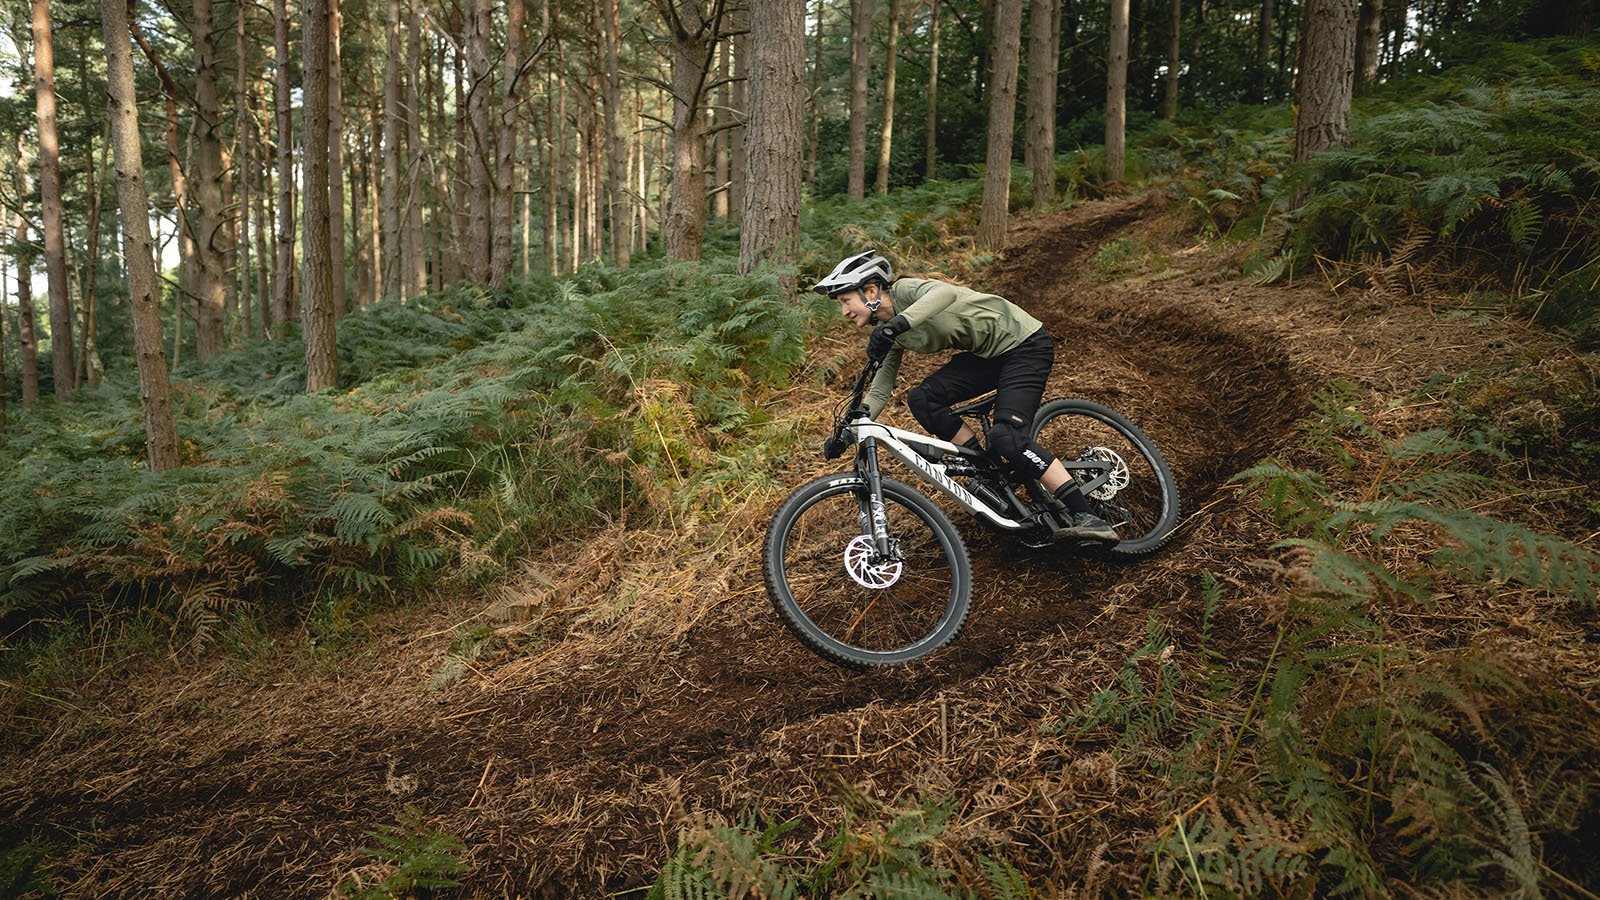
(1389,698)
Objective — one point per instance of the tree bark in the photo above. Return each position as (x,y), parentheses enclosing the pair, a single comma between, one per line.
(617,192)
(1264,52)
(316,298)
(27,340)
(480,188)
(694,35)
(1169,99)
(3,277)
(770,218)
(721,120)
(245,157)
(931,164)
(211,274)
(1039,129)
(739,18)
(1368,32)
(1326,76)
(415,253)
(1117,93)
(283,286)
(144,290)
(392,123)
(336,248)
(887,137)
(90,368)
(814,98)
(505,169)
(860,69)
(55,250)
(1006,49)
(264,225)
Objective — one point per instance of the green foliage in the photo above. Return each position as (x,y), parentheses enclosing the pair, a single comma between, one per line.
(1487,174)
(1257,854)
(886,857)
(25,871)
(509,430)
(1384,765)
(1140,707)
(416,857)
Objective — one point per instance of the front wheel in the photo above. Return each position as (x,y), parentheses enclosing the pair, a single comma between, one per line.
(1141,497)
(844,601)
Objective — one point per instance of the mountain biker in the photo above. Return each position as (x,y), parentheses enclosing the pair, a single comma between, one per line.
(1004,349)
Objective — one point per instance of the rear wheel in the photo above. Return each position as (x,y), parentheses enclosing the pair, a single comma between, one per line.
(845,602)
(1141,497)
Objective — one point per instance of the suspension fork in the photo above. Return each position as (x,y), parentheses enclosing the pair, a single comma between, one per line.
(874,517)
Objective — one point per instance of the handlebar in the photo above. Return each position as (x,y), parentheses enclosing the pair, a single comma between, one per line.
(836,444)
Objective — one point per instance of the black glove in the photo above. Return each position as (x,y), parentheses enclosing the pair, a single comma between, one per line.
(834,447)
(883,337)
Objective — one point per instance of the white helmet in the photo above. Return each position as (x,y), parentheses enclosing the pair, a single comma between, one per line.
(854,272)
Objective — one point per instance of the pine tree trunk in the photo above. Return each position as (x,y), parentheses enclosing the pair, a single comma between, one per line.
(860,68)
(457,195)
(550,202)
(738,154)
(336,248)
(265,289)
(1006,49)
(931,151)
(27,341)
(693,38)
(283,287)
(1116,93)
(89,365)
(1326,76)
(1169,99)
(617,192)
(1039,129)
(55,248)
(1264,52)
(144,290)
(885,144)
(505,169)
(814,98)
(361,248)
(3,277)
(393,121)
(480,156)
(210,274)
(1368,32)
(316,299)
(415,260)
(245,159)
(721,186)
(770,219)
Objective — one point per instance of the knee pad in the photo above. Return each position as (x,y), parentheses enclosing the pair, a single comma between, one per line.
(930,414)
(1013,445)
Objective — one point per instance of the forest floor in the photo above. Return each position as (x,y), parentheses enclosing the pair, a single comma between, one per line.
(626,680)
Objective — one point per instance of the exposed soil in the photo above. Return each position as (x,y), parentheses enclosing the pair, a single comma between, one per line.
(567,759)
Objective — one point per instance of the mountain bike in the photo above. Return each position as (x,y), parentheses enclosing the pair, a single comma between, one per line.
(867,571)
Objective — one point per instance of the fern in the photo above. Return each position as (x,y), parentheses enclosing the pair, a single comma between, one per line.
(418,858)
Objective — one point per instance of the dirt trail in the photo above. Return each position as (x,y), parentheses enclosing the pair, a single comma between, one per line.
(567,767)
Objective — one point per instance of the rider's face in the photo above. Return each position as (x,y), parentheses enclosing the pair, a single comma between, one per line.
(853,304)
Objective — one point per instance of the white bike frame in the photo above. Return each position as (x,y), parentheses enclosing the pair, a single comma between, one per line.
(870,435)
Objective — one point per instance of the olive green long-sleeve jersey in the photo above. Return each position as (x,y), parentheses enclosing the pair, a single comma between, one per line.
(944,316)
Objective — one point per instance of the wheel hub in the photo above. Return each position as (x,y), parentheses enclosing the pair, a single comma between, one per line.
(865,568)
(1116,479)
